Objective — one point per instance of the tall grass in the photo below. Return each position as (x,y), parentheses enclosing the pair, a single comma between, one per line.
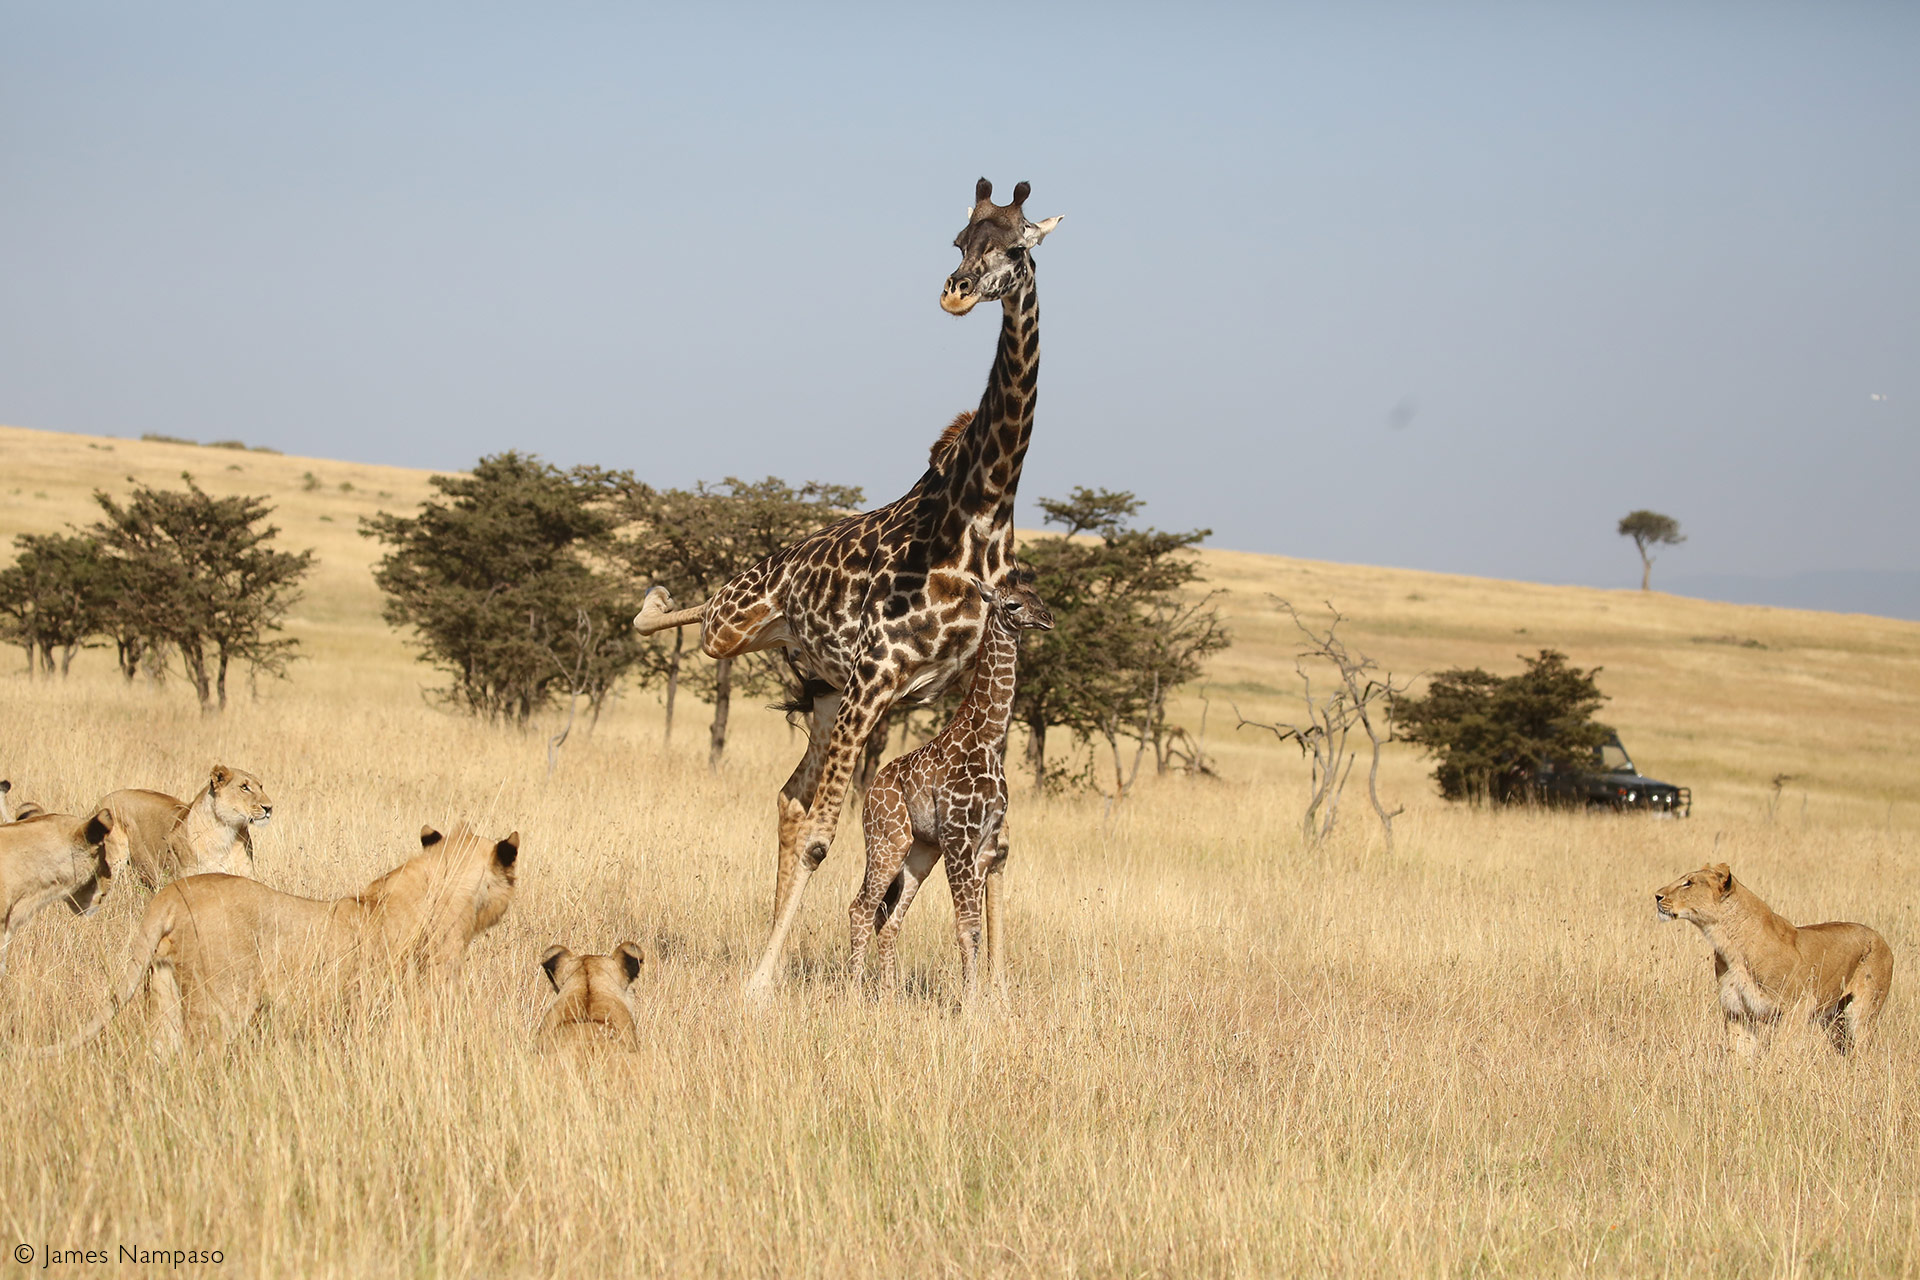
(1219,1051)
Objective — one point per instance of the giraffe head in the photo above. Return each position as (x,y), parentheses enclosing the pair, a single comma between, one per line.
(994,248)
(1017,605)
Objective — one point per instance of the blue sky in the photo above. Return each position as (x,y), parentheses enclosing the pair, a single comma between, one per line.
(1443,290)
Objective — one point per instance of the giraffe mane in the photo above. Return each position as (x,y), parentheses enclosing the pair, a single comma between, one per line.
(940,457)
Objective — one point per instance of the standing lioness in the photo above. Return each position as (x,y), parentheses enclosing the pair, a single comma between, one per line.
(218,947)
(1838,973)
(168,837)
(590,1005)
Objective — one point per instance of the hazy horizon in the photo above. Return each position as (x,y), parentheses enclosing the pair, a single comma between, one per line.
(1443,292)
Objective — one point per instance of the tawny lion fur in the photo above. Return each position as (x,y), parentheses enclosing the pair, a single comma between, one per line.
(53,857)
(1836,974)
(169,838)
(214,948)
(590,1005)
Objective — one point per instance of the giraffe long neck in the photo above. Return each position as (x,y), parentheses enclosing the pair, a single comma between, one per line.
(985,470)
(988,708)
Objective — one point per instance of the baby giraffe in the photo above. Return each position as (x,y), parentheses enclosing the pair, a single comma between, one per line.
(947,799)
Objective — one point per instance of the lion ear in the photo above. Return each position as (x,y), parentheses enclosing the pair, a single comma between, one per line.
(631,958)
(99,826)
(507,850)
(1724,874)
(429,837)
(220,777)
(550,961)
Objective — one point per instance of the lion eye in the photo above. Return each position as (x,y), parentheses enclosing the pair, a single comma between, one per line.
(1686,884)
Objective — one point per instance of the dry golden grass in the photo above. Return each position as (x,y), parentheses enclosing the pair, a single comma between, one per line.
(1220,1052)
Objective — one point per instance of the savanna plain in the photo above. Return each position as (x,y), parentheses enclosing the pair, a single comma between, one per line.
(1219,1050)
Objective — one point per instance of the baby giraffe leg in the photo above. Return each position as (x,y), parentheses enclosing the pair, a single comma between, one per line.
(889,834)
(912,874)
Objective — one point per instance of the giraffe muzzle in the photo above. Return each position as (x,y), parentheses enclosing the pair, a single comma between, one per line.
(959,296)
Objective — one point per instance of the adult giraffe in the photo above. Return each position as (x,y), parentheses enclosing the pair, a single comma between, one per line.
(884,606)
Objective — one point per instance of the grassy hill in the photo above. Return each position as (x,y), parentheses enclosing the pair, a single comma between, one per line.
(1219,1050)
(1719,697)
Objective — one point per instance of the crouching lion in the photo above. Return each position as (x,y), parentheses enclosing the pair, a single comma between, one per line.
(167,838)
(590,1004)
(214,948)
(54,856)
(1837,973)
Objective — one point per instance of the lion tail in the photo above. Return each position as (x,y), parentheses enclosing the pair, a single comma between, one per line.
(154,929)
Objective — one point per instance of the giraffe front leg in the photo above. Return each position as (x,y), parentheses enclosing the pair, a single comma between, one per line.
(969,859)
(852,722)
(996,939)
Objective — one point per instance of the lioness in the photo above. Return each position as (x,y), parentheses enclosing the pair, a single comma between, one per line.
(1838,972)
(55,855)
(167,838)
(12,812)
(590,1004)
(218,947)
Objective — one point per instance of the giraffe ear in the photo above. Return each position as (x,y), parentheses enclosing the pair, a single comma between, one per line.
(1037,231)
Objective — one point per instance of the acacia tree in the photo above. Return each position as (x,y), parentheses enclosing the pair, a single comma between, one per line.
(1650,529)
(506,584)
(60,591)
(691,541)
(1129,629)
(1490,734)
(198,574)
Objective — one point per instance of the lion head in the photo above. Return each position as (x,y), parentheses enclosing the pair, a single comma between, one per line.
(237,797)
(1698,897)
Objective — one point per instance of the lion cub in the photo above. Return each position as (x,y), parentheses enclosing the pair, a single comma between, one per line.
(1838,973)
(214,948)
(590,1005)
(54,856)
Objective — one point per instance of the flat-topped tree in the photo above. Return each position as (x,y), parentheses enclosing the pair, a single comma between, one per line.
(884,607)
(1650,529)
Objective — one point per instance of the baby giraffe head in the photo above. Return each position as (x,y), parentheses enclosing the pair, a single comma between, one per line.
(995,248)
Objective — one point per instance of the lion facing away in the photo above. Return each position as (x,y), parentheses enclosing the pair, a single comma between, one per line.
(169,838)
(590,1004)
(215,948)
(12,810)
(53,857)
(1838,973)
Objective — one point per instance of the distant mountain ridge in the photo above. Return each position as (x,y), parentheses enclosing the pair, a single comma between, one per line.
(1886,593)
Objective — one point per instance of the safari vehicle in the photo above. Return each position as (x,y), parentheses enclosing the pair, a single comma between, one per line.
(1611,782)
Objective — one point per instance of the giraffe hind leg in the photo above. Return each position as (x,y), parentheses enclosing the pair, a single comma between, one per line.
(911,876)
(889,835)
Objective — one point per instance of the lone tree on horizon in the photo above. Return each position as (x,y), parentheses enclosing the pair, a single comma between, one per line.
(1650,529)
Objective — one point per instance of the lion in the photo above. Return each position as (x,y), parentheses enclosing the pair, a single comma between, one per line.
(590,1004)
(168,838)
(214,948)
(54,857)
(12,812)
(1838,973)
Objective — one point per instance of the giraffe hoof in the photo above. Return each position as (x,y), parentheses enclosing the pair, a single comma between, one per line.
(657,603)
(759,990)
